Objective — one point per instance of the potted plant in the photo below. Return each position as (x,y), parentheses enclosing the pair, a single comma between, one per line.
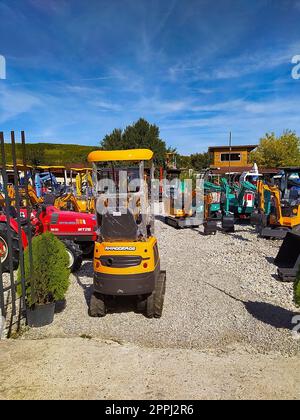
(49,280)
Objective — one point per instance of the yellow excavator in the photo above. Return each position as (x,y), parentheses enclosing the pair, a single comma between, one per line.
(178,200)
(84,181)
(79,198)
(126,258)
(34,200)
(278,216)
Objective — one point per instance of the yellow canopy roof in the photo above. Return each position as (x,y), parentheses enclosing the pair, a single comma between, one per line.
(120,155)
(20,167)
(81,169)
(51,167)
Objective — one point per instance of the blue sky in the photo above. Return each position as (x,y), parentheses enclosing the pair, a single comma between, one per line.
(78,69)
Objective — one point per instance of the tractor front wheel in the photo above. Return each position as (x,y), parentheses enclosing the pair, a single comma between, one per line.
(75,255)
(4,248)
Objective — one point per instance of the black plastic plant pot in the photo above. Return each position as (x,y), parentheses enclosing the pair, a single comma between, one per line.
(41,315)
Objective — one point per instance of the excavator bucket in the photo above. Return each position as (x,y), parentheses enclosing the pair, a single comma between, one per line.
(228,223)
(210,227)
(288,258)
(257,219)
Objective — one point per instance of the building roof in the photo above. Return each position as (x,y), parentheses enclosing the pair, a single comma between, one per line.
(241,169)
(226,148)
(290,169)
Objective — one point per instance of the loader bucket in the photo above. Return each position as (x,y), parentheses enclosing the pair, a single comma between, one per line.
(288,258)
(228,223)
(210,227)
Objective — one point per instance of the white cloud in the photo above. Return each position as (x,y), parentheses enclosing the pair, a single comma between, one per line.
(243,65)
(15,102)
(106,106)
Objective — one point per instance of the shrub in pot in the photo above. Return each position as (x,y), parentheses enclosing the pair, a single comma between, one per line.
(49,281)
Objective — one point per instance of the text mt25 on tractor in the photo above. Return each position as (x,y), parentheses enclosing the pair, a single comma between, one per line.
(126,257)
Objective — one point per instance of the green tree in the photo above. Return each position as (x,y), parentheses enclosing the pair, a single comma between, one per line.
(141,134)
(184,162)
(274,152)
(112,141)
(200,161)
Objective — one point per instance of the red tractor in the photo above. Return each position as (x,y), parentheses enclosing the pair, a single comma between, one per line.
(4,241)
(76,230)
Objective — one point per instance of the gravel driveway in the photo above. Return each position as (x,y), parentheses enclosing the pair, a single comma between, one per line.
(221,292)
(74,368)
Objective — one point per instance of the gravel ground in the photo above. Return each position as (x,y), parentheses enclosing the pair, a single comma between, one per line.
(221,293)
(74,368)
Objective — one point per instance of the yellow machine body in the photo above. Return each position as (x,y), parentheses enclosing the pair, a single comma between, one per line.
(126,268)
(278,218)
(144,250)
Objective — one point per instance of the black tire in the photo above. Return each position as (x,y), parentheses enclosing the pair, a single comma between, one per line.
(159,295)
(15,248)
(150,306)
(97,307)
(87,249)
(141,304)
(296,229)
(155,302)
(75,254)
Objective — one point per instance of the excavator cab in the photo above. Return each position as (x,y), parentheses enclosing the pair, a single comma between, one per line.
(284,215)
(126,257)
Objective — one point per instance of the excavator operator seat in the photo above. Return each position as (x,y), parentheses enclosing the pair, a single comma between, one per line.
(119,228)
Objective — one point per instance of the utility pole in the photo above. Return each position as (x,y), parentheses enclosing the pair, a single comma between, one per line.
(230,150)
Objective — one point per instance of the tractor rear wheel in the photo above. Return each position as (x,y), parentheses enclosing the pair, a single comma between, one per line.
(97,306)
(75,255)
(4,248)
(87,249)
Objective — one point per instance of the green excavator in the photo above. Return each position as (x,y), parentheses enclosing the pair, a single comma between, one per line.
(212,207)
(242,198)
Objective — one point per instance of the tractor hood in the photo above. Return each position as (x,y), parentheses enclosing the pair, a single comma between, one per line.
(80,226)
